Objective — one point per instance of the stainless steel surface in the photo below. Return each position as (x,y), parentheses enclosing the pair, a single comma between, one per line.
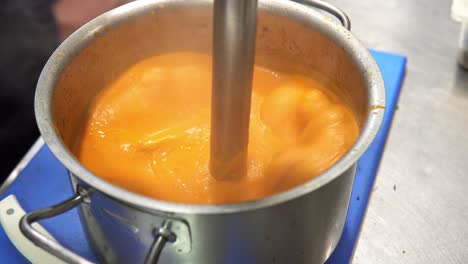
(119,224)
(234,32)
(288,33)
(327,7)
(417,213)
(463,46)
(300,231)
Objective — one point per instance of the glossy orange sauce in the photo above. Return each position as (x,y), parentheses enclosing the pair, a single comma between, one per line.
(149,132)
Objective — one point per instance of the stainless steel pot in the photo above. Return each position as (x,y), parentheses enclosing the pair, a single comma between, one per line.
(302,225)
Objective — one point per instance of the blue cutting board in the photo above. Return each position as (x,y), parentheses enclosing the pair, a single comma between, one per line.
(44,182)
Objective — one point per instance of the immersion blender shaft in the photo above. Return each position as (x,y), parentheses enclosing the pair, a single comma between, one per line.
(234,30)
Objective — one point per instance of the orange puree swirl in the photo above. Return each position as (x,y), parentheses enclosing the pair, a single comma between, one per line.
(149,132)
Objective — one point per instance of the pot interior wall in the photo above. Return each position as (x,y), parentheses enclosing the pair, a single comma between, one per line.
(283,44)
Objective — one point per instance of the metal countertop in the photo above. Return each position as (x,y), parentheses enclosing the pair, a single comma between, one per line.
(418,210)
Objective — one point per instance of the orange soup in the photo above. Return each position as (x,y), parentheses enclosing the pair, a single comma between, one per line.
(149,132)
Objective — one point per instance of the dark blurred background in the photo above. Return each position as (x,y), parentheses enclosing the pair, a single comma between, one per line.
(30,30)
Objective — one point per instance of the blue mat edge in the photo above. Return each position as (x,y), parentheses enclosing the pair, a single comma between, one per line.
(369,162)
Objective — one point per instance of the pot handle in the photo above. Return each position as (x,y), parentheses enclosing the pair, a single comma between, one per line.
(327,7)
(162,234)
(46,243)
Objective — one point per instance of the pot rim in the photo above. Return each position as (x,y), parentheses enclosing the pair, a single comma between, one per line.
(86,34)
